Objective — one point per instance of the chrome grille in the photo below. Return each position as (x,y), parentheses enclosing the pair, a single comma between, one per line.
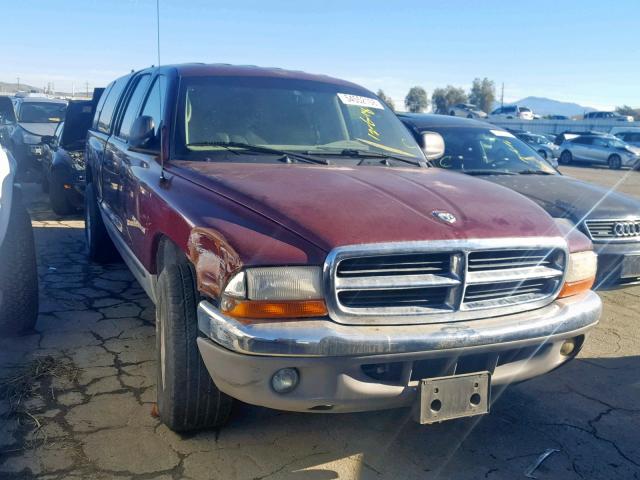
(422,282)
(614,230)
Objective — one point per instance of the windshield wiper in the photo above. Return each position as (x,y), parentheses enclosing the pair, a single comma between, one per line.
(364,155)
(487,172)
(534,172)
(259,149)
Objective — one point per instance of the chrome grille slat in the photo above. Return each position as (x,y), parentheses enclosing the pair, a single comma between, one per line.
(514,274)
(396,283)
(393,282)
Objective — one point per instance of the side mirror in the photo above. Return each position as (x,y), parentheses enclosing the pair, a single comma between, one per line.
(432,145)
(142,132)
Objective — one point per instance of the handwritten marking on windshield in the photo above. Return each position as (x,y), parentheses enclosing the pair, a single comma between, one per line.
(365,116)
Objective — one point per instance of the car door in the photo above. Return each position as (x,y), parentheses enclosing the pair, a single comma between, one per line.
(600,150)
(120,151)
(579,148)
(142,166)
(109,174)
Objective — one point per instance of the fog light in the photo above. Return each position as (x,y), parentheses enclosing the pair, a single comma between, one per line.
(568,347)
(285,380)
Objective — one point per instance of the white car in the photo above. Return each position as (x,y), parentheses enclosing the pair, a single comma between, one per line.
(615,116)
(467,110)
(512,111)
(18,272)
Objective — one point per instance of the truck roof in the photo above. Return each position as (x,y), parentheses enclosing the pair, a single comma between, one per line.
(426,120)
(225,69)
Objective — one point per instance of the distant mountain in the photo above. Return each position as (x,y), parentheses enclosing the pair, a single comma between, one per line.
(13,88)
(547,106)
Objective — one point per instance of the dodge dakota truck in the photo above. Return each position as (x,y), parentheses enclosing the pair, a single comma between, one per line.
(302,257)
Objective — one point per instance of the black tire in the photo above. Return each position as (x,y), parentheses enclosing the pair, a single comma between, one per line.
(58,196)
(543,154)
(565,157)
(100,248)
(18,274)
(469,116)
(615,162)
(187,397)
(452,113)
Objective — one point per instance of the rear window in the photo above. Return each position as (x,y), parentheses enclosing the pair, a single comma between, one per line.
(41,112)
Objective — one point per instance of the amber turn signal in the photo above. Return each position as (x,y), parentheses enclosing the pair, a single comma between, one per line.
(573,288)
(261,309)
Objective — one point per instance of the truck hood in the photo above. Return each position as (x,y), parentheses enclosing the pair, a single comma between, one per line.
(333,206)
(40,129)
(568,197)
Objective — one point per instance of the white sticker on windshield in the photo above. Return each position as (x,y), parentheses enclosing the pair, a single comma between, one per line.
(359,101)
(502,133)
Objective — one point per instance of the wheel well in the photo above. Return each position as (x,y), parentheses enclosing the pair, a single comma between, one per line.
(168,253)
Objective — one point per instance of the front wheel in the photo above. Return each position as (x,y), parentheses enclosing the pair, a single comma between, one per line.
(543,154)
(452,113)
(100,248)
(187,397)
(58,196)
(566,157)
(615,163)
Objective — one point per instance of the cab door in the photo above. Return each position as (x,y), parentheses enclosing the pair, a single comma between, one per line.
(124,156)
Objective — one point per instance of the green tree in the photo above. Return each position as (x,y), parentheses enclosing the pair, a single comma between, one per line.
(444,98)
(416,100)
(627,110)
(386,99)
(483,93)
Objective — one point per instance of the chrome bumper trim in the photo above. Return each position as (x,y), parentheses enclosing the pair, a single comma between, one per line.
(324,338)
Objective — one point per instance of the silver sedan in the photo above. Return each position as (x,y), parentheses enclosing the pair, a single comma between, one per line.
(604,149)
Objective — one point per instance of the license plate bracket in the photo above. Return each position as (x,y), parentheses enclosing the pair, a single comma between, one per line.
(630,266)
(456,396)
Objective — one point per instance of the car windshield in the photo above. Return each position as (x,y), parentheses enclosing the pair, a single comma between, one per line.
(42,112)
(525,109)
(479,149)
(616,143)
(314,118)
(539,139)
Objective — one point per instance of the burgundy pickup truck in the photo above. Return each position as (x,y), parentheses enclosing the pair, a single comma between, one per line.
(303,257)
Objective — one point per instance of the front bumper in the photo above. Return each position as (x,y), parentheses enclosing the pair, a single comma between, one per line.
(611,258)
(345,368)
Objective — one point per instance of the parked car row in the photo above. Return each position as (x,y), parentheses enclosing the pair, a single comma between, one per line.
(304,255)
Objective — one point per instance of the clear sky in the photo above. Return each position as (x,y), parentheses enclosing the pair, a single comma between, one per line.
(584,51)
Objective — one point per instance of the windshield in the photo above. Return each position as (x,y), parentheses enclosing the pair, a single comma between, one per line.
(616,143)
(42,112)
(479,149)
(539,139)
(295,115)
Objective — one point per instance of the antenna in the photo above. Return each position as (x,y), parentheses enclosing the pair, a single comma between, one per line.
(160,126)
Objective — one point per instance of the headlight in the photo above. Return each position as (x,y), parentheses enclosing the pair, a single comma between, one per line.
(275,292)
(30,139)
(581,273)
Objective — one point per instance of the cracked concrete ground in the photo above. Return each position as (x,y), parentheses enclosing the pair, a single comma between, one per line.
(96,421)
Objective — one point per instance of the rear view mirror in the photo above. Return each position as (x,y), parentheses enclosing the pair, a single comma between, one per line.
(142,132)
(432,145)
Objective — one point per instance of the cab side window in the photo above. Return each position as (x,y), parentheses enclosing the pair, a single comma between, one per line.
(110,104)
(100,104)
(154,106)
(133,107)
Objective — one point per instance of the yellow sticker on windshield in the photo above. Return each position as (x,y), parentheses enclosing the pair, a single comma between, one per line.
(366,115)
